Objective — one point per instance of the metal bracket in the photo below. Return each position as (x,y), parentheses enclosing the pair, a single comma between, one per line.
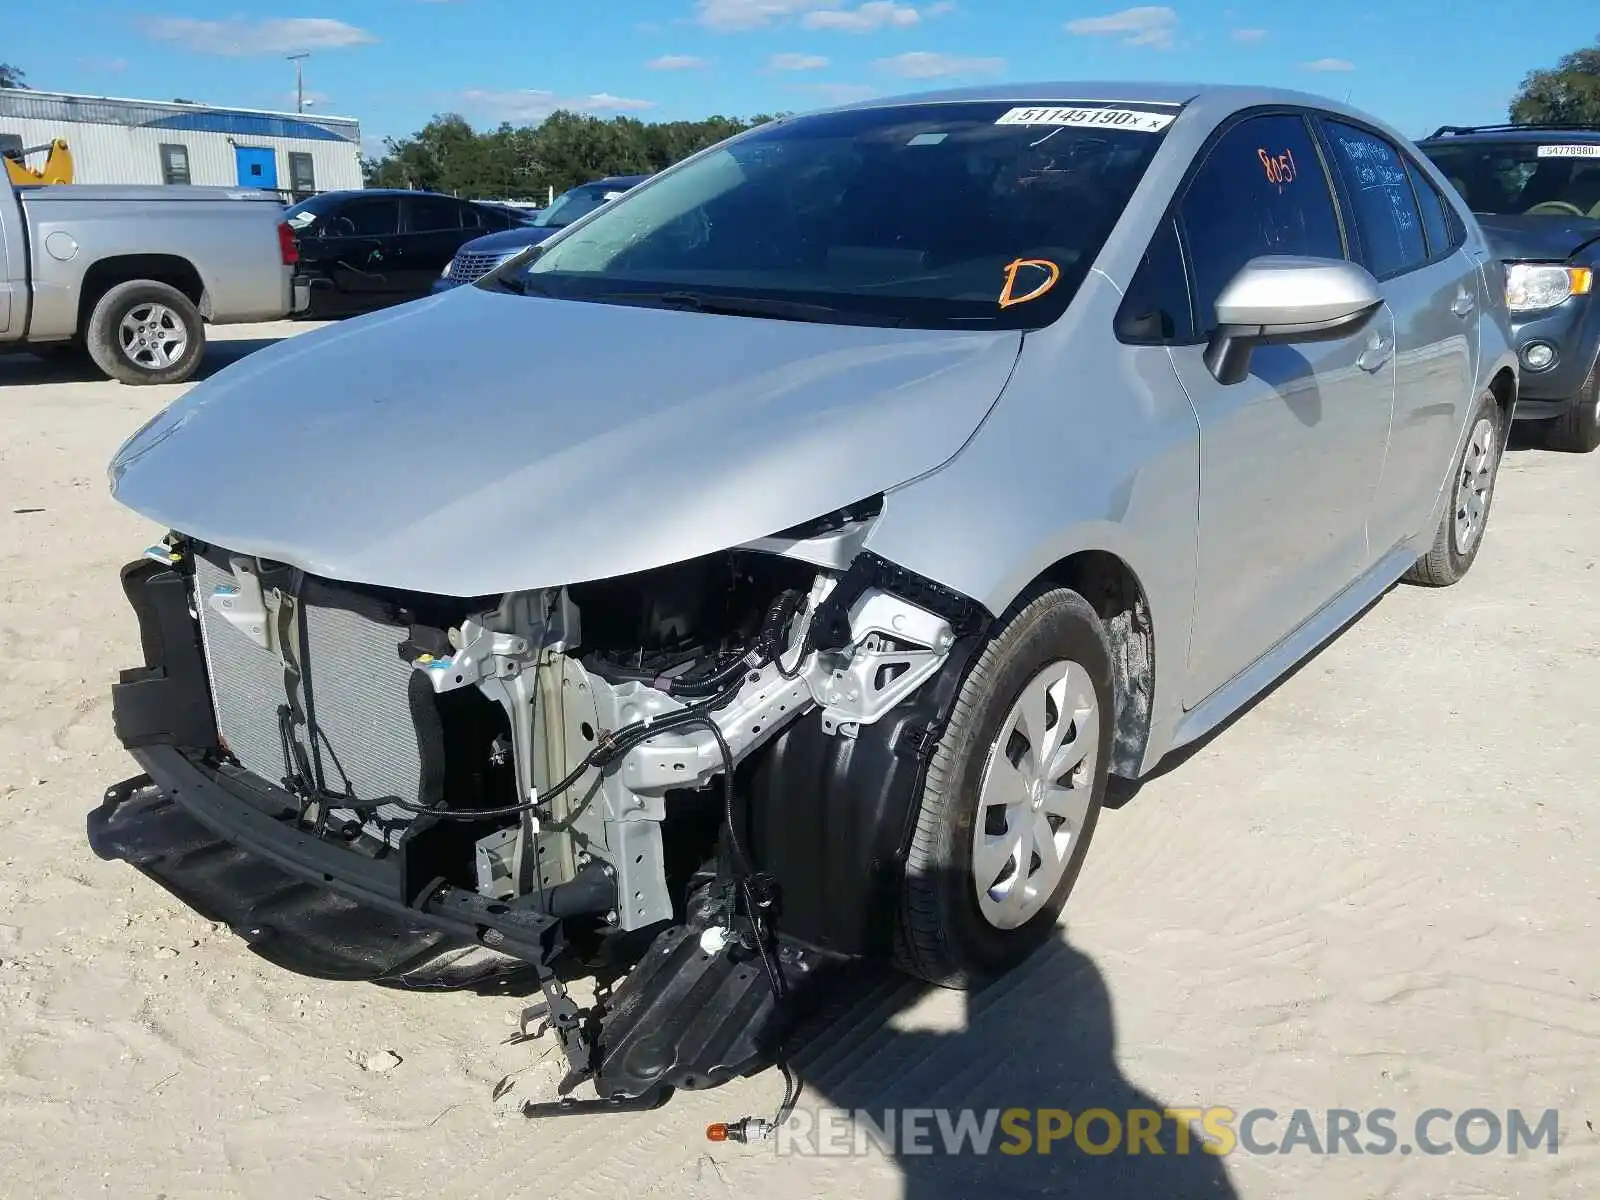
(898,647)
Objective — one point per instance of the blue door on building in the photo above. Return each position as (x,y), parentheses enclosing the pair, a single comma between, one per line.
(258,166)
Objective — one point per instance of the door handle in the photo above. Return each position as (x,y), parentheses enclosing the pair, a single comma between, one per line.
(1465,303)
(1379,351)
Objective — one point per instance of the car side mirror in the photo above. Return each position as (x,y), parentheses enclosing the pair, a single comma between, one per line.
(1287,299)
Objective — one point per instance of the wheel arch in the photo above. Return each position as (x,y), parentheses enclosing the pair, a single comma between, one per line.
(170,269)
(1114,591)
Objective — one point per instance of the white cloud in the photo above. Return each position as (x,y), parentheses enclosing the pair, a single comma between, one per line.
(107,66)
(1329,64)
(726,16)
(238,37)
(839,93)
(922,64)
(536,104)
(676,62)
(1148,25)
(1249,37)
(870,17)
(796,62)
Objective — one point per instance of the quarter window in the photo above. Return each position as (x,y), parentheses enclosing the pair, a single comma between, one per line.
(1155,310)
(1440,238)
(174,163)
(1386,217)
(1261,190)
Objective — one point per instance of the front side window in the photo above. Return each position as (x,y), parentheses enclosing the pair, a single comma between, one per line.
(1261,190)
(1552,177)
(936,216)
(174,164)
(1386,217)
(366,218)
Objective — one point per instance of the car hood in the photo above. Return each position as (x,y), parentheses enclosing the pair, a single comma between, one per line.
(507,240)
(479,442)
(1539,239)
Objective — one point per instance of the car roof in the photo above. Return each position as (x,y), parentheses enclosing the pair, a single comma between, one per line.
(1109,91)
(1467,134)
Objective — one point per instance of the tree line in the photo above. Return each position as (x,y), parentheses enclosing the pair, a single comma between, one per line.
(530,162)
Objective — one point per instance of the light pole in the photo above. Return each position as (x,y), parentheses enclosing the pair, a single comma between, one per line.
(299,81)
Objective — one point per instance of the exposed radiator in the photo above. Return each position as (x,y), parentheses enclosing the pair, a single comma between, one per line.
(361,693)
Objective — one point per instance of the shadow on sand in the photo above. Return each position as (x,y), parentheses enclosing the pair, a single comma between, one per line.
(73,365)
(1042,1037)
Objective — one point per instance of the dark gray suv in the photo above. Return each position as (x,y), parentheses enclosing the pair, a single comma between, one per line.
(1536,192)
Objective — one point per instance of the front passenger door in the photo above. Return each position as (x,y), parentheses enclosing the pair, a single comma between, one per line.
(358,245)
(1290,457)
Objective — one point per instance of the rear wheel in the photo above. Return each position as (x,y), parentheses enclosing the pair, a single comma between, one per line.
(1012,795)
(1466,515)
(146,332)
(1578,430)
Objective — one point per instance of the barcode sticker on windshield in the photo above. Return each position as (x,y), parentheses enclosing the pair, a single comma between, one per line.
(1089,118)
(1580,151)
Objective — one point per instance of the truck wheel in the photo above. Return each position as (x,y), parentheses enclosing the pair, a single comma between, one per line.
(1011,797)
(1466,516)
(146,332)
(1577,431)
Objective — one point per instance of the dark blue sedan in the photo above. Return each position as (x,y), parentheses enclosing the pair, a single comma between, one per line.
(481,255)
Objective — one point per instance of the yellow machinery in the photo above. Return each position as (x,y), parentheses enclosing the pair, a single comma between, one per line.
(57,165)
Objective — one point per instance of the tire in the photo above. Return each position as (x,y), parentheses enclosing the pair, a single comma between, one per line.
(1577,431)
(944,933)
(142,308)
(1466,516)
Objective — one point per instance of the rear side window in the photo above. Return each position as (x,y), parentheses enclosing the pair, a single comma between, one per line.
(1388,225)
(1261,190)
(1155,310)
(430,216)
(1441,238)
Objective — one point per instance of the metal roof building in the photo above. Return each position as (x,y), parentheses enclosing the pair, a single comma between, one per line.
(146,141)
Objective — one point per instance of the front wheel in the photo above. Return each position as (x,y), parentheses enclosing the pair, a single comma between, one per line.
(1577,431)
(146,332)
(1466,515)
(1012,795)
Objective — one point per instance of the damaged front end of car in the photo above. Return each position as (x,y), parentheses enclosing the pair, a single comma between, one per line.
(695,783)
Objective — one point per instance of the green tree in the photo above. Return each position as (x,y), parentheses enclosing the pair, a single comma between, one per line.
(11,77)
(530,161)
(1569,93)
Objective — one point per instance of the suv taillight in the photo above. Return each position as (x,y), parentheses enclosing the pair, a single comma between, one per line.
(286,245)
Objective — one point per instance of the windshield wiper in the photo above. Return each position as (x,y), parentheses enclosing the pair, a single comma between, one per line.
(738,306)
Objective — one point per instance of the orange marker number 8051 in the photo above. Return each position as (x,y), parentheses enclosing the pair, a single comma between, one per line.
(1008,294)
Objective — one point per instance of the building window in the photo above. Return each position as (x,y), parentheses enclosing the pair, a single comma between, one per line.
(174,163)
(302,175)
(11,145)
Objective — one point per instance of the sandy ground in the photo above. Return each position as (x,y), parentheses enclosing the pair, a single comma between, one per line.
(1377,889)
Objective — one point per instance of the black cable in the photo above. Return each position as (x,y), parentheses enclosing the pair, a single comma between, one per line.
(745,869)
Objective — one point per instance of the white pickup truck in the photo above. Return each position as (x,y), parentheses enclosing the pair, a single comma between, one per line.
(132,275)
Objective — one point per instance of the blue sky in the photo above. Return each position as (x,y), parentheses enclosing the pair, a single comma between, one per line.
(393,63)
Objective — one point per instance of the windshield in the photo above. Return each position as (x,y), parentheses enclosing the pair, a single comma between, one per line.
(966,215)
(1551,178)
(301,215)
(578,202)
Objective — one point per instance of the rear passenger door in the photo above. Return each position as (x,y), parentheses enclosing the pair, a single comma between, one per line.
(1403,236)
(435,229)
(1289,458)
